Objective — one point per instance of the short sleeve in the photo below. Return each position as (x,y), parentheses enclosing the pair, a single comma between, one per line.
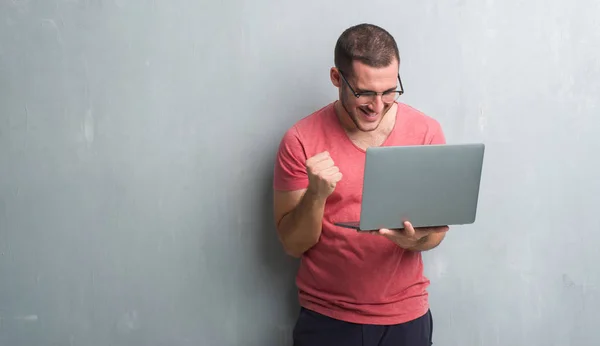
(290,169)
(436,134)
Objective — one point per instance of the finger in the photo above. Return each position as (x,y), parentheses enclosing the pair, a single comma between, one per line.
(323,165)
(438,229)
(441,229)
(408,229)
(319,167)
(329,171)
(318,157)
(334,179)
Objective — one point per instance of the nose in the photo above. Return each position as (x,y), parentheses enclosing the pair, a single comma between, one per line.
(377,104)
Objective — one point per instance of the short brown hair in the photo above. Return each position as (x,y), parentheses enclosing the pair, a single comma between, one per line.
(367,43)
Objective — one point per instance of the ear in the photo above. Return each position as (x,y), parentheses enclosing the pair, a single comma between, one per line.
(335,76)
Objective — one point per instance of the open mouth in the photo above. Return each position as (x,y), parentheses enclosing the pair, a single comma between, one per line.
(367,114)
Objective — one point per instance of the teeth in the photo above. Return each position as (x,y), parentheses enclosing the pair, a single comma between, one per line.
(368,113)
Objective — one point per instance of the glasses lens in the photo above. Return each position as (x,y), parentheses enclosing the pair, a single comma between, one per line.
(390,97)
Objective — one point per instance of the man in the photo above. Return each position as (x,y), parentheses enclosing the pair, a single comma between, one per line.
(354,288)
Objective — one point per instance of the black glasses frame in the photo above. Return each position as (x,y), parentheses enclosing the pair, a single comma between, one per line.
(373,93)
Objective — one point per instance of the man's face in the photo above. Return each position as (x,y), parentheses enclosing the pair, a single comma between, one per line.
(366,112)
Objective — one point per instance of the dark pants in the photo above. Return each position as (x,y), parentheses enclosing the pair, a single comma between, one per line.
(314,329)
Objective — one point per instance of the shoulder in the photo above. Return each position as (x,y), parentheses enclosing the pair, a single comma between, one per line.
(420,124)
(308,127)
(295,147)
(313,124)
(416,116)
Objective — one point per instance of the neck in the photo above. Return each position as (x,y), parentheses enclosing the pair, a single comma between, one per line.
(368,139)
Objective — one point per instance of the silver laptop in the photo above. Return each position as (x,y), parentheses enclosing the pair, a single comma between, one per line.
(428,185)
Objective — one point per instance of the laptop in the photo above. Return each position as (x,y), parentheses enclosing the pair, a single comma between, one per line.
(428,185)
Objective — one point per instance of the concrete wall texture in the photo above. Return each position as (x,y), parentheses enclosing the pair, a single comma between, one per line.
(137,140)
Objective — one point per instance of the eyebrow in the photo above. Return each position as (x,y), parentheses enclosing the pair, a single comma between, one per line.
(359,90)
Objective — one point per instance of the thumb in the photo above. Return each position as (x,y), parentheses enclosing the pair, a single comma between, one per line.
(384,231)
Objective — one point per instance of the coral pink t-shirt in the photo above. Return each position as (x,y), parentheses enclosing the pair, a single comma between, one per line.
(359,278)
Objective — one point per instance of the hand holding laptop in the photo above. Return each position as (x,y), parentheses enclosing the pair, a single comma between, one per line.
(410,237)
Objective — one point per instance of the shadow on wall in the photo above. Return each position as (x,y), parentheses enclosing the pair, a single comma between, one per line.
(282,268)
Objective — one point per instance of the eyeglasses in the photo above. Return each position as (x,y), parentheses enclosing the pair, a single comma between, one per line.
(370,96)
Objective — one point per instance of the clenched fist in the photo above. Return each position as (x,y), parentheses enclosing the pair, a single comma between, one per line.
(323,175)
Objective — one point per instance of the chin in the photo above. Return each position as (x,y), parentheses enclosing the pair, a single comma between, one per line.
(367,126)
(365,122)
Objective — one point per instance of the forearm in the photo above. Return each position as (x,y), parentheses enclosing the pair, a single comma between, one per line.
(301,228)
(428,242)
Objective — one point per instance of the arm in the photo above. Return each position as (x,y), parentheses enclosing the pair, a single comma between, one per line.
(298,214)
(298,217)
(302,186)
